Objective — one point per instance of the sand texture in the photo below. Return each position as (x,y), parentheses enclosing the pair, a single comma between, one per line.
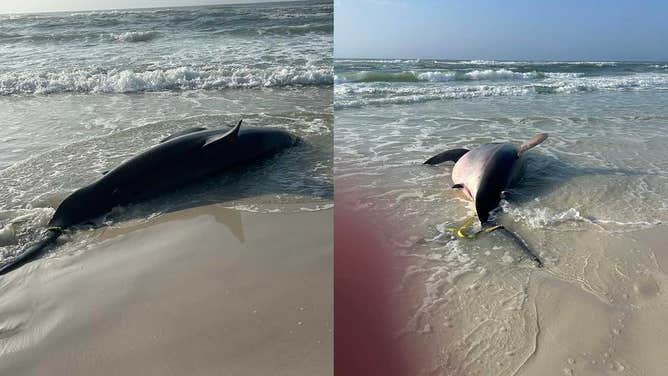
(204,291)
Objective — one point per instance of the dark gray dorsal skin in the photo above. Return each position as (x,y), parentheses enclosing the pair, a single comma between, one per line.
(170,165)
(173,163)
(183,132)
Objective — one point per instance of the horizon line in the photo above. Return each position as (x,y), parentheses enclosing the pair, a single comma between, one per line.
(506,60)
(149,8)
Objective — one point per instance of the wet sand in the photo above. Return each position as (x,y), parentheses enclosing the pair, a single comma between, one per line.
(610,321)
(203,291)
(596,308)
(521,320)
(592,204)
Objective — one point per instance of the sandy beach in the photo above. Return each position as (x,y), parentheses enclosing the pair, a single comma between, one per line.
(230,275)
(202,291)
(514,319)
(591,203)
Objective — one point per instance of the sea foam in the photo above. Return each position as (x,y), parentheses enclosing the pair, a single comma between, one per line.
(135,36)
(181,78)
(437,76)
(446,86)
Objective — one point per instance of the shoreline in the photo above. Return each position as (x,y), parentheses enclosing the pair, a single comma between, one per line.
(198,291)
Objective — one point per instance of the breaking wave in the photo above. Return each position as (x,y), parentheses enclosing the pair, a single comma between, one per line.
(438,76)
(136,36)
(181,78)
(363,82)
(373,93)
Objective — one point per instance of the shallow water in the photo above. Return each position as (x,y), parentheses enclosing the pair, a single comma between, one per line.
(591,193)
(82,92)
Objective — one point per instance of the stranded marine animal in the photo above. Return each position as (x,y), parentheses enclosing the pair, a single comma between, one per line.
(485,172)
(179,159)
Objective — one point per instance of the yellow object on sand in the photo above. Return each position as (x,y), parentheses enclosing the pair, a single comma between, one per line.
(462,235)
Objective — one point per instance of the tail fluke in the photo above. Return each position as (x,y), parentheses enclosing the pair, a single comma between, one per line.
(31,252)
(448,155)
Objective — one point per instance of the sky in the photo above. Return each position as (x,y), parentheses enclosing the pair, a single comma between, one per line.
(29,6)
(502,30)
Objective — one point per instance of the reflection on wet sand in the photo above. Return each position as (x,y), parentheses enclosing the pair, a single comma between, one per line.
(229,218)
(198,291)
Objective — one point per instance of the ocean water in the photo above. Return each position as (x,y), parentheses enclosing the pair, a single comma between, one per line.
(125,51)
(591,195)
(377,82)
(81,92)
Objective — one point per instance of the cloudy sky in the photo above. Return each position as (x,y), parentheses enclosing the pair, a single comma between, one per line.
(495,29)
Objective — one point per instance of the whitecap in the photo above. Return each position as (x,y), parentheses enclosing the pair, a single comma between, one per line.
(135,36)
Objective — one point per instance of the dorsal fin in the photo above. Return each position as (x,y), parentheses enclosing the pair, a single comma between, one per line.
(232,134)
(535,140)
(235,130)
(181,133)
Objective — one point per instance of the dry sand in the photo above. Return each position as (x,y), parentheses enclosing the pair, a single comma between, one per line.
(204,291)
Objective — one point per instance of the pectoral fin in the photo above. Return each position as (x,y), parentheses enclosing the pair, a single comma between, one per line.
(448,155)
